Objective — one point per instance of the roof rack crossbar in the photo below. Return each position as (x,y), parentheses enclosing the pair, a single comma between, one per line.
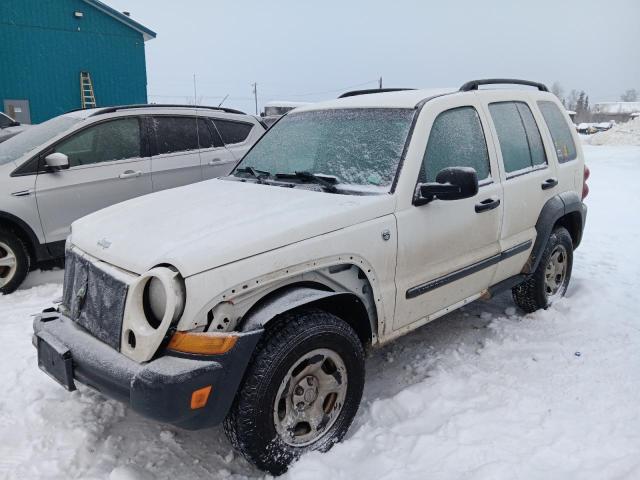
(368,91)
(474,84)
(104,110)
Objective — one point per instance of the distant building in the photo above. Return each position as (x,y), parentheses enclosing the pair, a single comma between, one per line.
(60,55)
(617,111)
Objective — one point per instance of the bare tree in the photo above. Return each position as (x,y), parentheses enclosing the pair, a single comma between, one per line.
(558,91)
(630,95)
(572,100)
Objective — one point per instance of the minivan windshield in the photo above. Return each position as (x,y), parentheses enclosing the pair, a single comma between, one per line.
(15,147)
(358,147)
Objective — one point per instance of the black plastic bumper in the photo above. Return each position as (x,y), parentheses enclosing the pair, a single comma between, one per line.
(160,389)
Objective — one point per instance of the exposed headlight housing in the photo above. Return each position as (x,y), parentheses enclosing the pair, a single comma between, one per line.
(154,302)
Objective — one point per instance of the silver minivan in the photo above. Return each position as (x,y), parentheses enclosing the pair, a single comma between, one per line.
(82,161)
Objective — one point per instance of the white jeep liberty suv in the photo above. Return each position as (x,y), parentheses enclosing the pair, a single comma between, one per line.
(250,299)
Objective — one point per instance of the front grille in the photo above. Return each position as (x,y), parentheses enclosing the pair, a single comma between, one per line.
(93,299)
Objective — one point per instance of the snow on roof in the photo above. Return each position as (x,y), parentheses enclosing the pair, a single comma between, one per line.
(147,34)
(401,99)
(285,103)
(571,112)
(616,108)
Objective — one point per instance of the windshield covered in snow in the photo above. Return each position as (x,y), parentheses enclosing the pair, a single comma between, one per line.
(14,148)
(359,146)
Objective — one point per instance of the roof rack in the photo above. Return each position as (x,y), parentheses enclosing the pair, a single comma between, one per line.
(354,93)
(102,111)
(474,84)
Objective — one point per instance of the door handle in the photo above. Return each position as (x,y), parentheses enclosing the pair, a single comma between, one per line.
(130,174)
(549,183)
(488,204)
(214,162)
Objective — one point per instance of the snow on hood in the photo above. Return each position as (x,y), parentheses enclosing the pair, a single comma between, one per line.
(212,223)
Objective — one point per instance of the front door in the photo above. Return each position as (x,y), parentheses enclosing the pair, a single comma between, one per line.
(107,165)
(448,249)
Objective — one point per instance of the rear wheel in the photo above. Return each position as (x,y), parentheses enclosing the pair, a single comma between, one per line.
(14,261)
(551,279)
(301,390)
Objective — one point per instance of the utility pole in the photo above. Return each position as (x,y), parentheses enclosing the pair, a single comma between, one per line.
(255,94)
(380,83)
(195,90)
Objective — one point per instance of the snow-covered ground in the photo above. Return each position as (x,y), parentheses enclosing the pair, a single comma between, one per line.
(483,393)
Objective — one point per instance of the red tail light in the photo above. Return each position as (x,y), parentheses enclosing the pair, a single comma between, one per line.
(585,187)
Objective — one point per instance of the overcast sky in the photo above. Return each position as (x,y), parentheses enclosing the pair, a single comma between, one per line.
(313,50)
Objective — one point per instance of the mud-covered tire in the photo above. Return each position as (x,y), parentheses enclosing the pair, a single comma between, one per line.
(536,292)
(14,261)
(252,423)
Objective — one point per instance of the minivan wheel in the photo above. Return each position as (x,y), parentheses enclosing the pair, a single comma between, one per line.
(551,279)
(14,262)
(301,391)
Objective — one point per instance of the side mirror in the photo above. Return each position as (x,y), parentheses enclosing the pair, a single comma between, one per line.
(15,123)
(451,183)
(57,161)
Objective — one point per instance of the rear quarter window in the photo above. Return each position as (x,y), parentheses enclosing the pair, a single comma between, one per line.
(233,132)
(560,132)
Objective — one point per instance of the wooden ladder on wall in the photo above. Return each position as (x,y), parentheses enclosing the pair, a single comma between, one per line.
(87,96)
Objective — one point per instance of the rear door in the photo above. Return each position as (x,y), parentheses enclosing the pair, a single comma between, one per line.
(215,159)
(528,176)
(108,164)
(238,136)
(176,158)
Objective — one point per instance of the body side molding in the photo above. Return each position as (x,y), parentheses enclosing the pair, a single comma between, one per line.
(468,270)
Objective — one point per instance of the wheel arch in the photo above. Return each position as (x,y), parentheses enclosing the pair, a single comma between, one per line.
(304,295)
(566,210)
(24,232)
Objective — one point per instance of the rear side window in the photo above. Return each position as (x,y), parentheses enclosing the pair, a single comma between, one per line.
(518,134)
(456,140)
(208,136)
(175,134)
(233,132)
(104,142)
(560,133)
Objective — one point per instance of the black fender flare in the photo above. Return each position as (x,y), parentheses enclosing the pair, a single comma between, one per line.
(296,296)
(554,209)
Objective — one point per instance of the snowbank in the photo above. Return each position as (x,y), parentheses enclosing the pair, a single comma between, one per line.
(621,134)
(483,393)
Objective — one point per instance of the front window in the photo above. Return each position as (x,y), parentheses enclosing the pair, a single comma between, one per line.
(358,147)
(104,142)
(14,148)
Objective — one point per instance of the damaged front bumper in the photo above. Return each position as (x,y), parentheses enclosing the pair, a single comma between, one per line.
(161,389)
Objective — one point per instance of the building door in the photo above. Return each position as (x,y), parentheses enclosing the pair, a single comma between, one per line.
(18,110)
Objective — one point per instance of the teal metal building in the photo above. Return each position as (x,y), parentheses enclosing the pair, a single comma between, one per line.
(47,48)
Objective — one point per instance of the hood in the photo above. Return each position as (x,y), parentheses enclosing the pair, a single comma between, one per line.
(212,223)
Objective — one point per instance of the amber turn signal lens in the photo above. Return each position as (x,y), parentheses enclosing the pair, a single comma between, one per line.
(202,343)
(200,397)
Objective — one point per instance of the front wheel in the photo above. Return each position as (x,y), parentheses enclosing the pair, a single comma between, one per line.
(301,391)
(551,279)
(14,262)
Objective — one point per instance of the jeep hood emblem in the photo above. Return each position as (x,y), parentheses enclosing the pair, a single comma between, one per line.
(104,243)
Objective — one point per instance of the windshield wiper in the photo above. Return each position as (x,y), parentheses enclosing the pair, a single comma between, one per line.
(254,173)
(327,182)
